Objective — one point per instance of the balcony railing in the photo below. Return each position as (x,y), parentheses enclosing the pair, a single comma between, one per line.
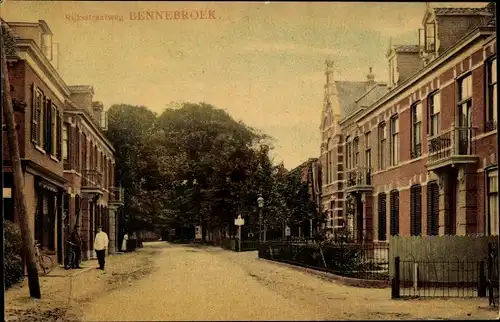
(91,178)
(117,194)
(452,143)
(359,176)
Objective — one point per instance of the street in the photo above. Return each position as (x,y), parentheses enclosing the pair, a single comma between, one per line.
(208,283)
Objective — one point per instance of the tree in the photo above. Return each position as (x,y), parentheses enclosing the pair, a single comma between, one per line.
(20,200)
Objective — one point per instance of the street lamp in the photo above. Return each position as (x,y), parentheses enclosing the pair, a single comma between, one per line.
(260,202)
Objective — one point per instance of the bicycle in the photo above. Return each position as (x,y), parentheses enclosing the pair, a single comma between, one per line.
(44,262)
(70,260)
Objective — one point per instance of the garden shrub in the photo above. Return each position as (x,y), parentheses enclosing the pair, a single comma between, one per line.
(13,262)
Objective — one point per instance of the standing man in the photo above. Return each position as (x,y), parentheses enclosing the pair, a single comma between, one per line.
(100,245)
(77,246)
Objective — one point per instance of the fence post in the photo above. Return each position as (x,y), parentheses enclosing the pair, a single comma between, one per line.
(481,290)
(396,279)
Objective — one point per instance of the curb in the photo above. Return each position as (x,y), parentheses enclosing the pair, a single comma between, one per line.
(349,281)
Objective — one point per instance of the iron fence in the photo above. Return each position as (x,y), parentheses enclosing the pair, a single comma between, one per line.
(362,261)
(493,274)
(460,278)
(233,244)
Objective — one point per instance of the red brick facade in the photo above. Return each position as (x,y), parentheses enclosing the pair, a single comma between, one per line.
(55,173)
(437,182)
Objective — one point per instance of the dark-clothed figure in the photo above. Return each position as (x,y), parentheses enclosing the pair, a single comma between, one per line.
(77,247)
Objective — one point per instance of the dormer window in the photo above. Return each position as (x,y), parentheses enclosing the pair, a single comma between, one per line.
(393,70)
(430,37)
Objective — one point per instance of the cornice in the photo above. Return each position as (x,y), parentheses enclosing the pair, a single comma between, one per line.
(31,48)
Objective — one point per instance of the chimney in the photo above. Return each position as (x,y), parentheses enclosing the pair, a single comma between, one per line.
(97,109)
(46,39)
(55,56)
(370,78)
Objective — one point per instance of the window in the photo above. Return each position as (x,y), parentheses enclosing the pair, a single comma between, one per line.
(434,123)
(382,214)
(416,210)
(430,37)
(492,202)
(432,209)
(393,71)
(59,135)
(36,116)
(465,114)
(328,166)
(347,153)
(356,152)
(65,142)
(381,146)
(394,140)
(491,97)
(53,130)
(47,128)
(368,153)
(331,165)
(77,148)
(416,130)
(394,213)
(84,153)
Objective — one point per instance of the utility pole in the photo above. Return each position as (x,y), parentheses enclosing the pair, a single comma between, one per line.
(19,198)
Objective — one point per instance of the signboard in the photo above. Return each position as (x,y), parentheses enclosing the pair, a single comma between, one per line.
(198,232)
(7,193)
(239,221)
(288,231)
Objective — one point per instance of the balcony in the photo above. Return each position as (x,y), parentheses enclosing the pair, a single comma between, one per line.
(359,179)
(117,195)
(451,147)
(92,180)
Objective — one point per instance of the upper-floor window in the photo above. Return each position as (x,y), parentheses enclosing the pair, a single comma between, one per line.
(381,145)
(368,150)
(394,140)
(393,70)
(465,101)
(37,116)
(65,143)
(434,110)
(355,145)
(348,152)
(430,36)
(491,97)
(416,130)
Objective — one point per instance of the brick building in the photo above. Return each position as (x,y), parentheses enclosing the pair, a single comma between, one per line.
(419,158)
(310,174)
(45,109)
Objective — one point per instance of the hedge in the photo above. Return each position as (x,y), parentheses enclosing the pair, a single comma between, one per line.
(13,262)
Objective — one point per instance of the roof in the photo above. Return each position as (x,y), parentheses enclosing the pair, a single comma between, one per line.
(460,11)
(372,95)
(348,92)
(303,165)
(406,48)
(81,88)
(9,39)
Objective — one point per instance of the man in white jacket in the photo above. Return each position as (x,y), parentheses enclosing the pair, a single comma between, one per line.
(100,245)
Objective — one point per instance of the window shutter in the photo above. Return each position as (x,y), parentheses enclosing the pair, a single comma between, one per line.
(416,210)
(382,214)
(59,121)
(47,124)
(394,213)
(34,122)
(432,209)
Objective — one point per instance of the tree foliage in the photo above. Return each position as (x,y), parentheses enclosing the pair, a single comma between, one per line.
(195,164)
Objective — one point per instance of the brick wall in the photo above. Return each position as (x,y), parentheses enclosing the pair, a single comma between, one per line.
(414,171)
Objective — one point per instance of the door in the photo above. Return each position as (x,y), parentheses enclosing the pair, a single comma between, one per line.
(465,128)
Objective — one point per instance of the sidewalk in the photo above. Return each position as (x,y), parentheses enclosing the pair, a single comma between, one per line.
(63,291)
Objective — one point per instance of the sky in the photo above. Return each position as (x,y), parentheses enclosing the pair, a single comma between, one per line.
(261,62)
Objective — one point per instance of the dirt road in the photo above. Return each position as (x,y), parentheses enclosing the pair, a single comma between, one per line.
(207,283)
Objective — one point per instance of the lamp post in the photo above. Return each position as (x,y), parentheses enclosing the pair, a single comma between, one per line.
(260,202)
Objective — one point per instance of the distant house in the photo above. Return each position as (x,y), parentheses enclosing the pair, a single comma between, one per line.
(310,174)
